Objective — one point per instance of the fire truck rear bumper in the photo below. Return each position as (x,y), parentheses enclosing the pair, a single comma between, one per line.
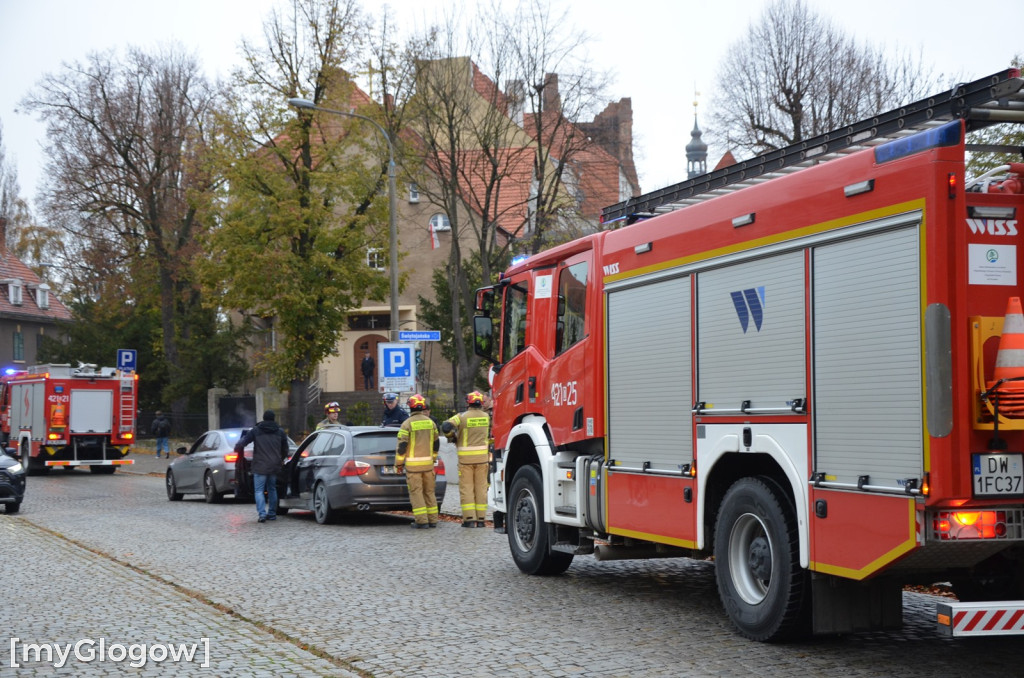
(90,462)
(990,618)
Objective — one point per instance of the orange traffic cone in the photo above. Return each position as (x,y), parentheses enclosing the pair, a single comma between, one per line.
(1010,361)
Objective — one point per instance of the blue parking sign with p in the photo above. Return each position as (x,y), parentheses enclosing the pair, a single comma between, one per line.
(396,367)
(126,359)
(397,361)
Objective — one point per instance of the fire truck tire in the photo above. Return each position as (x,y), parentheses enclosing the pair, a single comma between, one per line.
(32,467)
(172,488)
(527,531)
(210,493)
(101,470)
(757,562)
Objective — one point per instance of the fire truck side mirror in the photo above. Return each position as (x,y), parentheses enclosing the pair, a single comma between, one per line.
(485,301)
(483,337)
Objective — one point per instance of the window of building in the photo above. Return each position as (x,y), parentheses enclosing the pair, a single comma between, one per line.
(19,346)
(43,296)
(414,193)
(14,292)
(439,222)
(376,259)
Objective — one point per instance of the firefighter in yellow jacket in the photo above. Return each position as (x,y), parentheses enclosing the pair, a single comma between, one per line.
(471,431)
(418,442)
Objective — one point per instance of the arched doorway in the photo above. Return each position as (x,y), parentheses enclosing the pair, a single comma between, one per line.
(366,344)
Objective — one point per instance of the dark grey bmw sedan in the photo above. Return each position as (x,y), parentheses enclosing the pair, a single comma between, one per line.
(349,468)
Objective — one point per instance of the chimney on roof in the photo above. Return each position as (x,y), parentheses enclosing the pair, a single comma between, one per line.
(550,98)
(515,94)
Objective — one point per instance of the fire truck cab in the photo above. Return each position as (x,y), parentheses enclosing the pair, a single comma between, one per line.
(815,376)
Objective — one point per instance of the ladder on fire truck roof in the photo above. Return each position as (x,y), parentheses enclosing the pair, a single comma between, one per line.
(983,102)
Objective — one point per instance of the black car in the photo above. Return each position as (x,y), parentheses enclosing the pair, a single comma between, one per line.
(348,468)
(12,482)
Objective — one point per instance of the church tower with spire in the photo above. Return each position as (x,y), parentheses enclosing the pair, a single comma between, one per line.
(696,150)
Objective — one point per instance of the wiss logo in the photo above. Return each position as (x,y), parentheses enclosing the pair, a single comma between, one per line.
(993,226)
(749,304)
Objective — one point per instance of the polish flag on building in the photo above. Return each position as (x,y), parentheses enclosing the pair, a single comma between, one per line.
(435,242)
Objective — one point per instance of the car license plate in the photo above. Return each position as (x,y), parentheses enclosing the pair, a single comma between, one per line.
(389,471)
(998,474)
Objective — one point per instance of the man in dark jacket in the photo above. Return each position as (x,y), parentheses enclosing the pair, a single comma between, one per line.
(393,414)
(367,367)
(162,429)
(269,449)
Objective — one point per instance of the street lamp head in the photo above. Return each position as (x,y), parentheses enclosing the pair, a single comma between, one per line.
(301,103)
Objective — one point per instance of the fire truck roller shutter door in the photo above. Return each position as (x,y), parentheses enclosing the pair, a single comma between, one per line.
(867,357)
(649,352)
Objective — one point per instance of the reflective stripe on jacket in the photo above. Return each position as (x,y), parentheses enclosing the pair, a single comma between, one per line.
(472,433)
(421,434)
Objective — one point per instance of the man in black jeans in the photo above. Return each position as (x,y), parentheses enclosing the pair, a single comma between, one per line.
(269,449)
(367,367)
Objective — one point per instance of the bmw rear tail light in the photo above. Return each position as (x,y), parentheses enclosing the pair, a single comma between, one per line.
(353,468)
(438,465)
(231,457)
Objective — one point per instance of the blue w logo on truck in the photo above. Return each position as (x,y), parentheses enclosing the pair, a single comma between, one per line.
(749,304)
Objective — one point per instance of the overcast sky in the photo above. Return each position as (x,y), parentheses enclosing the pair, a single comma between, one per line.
(660,51)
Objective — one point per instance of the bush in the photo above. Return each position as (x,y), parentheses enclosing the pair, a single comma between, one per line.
(359,414)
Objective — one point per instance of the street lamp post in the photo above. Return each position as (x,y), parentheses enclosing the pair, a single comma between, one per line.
(392,200)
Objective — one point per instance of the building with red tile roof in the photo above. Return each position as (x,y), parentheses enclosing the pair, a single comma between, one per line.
(29,310)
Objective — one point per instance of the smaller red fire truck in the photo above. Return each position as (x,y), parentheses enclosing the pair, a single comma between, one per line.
(58,415)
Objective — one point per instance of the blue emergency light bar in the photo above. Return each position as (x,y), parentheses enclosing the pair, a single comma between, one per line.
(947,135)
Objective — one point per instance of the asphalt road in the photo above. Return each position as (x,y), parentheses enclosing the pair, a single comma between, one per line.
(109,558)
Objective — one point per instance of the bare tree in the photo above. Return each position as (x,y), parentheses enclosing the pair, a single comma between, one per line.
(795,75)
(504,165)
(558,88)
(14,211)
(126,183)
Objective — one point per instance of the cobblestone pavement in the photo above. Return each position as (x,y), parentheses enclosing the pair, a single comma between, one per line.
(370,595)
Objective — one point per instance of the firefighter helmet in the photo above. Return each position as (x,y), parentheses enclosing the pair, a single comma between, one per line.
(474,398)
(417,403)
(332,406)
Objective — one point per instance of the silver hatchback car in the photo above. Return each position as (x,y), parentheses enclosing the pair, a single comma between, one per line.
(208,467)
(349,468)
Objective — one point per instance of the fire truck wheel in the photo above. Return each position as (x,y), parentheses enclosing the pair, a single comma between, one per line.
(102,470)
(527,531)
(757,561)
(172,488)
(32,468)
(210,493)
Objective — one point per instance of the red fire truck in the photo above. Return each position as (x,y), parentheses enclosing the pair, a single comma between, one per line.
(797,366)
(56,415)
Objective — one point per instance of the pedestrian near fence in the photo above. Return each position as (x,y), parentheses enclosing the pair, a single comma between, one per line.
(161,428)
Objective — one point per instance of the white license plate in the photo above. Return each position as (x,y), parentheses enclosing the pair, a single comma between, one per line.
(389,471)
(997,475)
